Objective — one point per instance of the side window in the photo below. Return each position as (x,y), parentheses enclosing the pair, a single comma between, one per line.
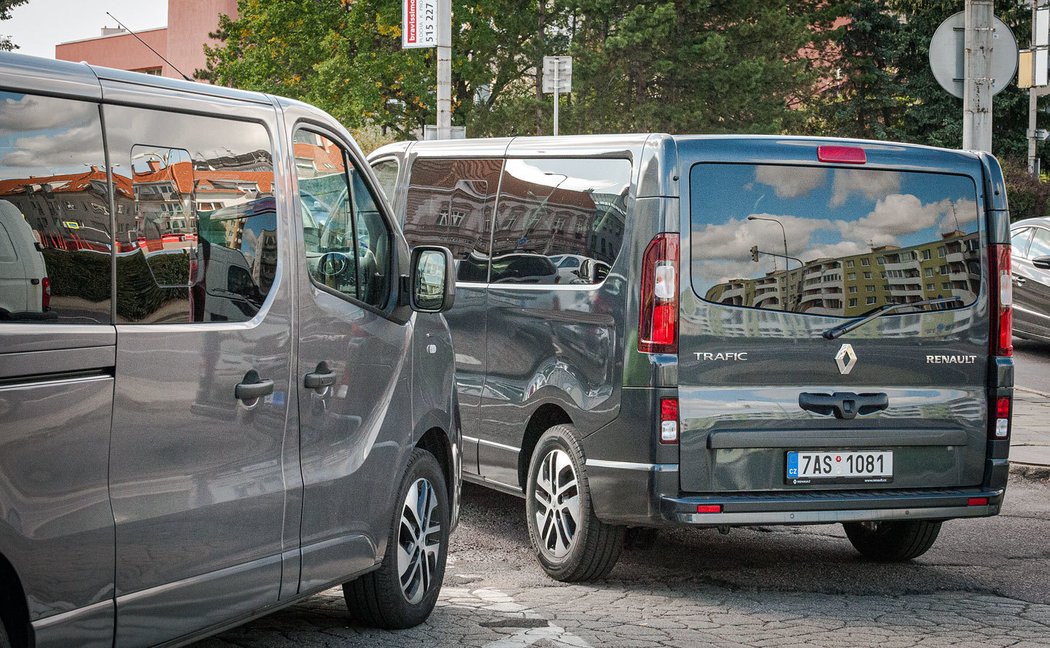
(560,220)
(56,240)
(196,217)
(1019,242)
(348,243)
(450,203)
(1040,246)
(386,173)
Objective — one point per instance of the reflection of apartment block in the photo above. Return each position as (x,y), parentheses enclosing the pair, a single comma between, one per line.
(856,284)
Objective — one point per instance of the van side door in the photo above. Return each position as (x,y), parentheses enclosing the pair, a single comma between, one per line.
(354,366)
(56,363)
(198,477)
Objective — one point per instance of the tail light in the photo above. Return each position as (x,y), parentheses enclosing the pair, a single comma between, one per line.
(1002,300)
(668,420)
(45,298)
(658,320)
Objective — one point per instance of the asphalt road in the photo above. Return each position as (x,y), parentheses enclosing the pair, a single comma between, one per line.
(1032,364)
(984,583)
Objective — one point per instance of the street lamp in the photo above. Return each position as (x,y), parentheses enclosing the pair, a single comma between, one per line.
(787,269)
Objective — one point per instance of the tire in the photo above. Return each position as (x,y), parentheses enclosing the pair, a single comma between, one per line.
(380,599)
(570,543)
(4,642)
(892,541)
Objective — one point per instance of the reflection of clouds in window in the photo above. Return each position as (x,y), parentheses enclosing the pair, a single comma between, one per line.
(791,182)
(735,237)
(869,184)
(899,215)
(46,154)
(600,176)
(29,113)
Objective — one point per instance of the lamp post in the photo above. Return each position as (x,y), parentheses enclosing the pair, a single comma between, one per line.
(787,270)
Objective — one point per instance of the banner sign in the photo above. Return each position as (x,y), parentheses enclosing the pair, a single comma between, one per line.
(418,23)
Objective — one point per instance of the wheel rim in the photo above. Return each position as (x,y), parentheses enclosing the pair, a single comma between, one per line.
(557,496)
(418,541)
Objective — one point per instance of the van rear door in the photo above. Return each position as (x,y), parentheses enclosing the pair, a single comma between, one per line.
(837,333)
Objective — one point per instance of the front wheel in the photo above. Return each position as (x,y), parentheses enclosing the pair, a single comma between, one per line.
(403,591)
(570,543)
(892,541)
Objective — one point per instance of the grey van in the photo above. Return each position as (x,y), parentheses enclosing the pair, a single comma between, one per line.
(230,405)
(774,330)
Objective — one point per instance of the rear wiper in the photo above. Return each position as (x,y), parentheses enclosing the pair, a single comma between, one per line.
(885,309)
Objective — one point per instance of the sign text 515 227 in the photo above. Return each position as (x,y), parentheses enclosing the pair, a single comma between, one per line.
(418,23)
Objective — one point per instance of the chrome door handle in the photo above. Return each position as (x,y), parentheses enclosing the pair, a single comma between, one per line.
(1019,280)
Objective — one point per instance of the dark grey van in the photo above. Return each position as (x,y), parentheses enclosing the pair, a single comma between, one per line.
(738,331)
(228,395)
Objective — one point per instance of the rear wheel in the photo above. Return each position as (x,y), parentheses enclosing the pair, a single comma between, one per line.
(892,541)
(404,590)
(571,544)
(4,643)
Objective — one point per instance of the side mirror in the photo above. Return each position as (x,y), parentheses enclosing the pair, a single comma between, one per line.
(433,281)
(1042,262)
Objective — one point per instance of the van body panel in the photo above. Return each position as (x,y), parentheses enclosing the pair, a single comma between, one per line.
(658,168)
(135,446)
(745,370)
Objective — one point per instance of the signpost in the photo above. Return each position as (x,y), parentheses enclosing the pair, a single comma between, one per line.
(428,23)
(1034,76)
(557,78)
(973,55)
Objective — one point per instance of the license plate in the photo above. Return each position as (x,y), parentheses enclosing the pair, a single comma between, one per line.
(839,467)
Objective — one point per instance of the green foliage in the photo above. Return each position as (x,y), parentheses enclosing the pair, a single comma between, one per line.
(1028,196)
(5,13)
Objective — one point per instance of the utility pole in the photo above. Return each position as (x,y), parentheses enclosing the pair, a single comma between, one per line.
(977,86)
(1037,59)
(444,69)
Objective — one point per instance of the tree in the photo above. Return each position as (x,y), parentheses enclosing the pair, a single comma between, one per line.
(5,14)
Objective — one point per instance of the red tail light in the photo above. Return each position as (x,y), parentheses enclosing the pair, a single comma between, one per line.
(708,508)
(1002,301)
(658,320)
(45,300)
(668,420)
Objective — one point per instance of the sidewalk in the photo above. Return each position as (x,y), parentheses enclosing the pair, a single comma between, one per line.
(1030,445)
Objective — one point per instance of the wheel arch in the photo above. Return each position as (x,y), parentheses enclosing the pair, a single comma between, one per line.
(545,417)
(14,611)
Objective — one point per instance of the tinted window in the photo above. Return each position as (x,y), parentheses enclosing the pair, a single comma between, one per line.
(450,203)
(54,208)
(1040,246)
(196,226)
(347,239)
(386,173)
(557,207)
(778,237)
(1019,241)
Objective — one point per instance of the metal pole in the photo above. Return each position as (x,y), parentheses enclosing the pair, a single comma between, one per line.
(977,87)
(557,91)
(444,69)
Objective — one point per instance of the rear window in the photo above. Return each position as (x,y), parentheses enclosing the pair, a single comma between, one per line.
(829,241)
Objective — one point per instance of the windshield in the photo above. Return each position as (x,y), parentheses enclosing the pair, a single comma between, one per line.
(829,241)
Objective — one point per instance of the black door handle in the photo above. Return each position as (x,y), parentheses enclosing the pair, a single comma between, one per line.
(252,387)
(844,405)
(320,378)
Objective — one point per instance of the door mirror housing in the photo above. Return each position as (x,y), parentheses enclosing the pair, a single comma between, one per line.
(1042,262)
(433,280)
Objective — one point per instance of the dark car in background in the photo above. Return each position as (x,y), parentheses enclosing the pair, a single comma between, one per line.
(1030,262)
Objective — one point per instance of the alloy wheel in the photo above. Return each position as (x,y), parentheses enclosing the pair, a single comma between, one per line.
(419,540)
(557,494)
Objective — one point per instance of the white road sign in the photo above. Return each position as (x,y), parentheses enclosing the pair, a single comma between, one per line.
(418,23)
(557,74)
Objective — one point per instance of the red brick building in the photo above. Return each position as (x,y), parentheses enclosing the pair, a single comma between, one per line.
(181,42)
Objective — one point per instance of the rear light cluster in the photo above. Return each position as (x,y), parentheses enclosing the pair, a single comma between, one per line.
(1001,333)
(658,319)
(668,420)
(45,299)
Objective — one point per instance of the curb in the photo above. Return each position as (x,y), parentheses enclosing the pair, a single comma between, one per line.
(1032,391)
(1030,471)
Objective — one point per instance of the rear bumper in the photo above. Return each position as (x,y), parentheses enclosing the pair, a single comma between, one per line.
(831,507)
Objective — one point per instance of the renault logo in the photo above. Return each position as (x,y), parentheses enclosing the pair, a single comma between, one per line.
(846,359)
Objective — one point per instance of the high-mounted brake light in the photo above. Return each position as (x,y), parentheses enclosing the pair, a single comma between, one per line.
(842,154)
(658,319)
(668,420)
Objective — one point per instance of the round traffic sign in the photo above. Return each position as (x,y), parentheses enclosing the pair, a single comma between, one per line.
(947,54)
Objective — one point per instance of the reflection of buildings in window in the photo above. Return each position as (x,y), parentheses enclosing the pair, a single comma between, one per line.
(818,287)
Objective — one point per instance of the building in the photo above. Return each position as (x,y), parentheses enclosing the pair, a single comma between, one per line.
(181,42)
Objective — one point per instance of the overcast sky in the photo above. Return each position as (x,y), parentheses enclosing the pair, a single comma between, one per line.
(37,26)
